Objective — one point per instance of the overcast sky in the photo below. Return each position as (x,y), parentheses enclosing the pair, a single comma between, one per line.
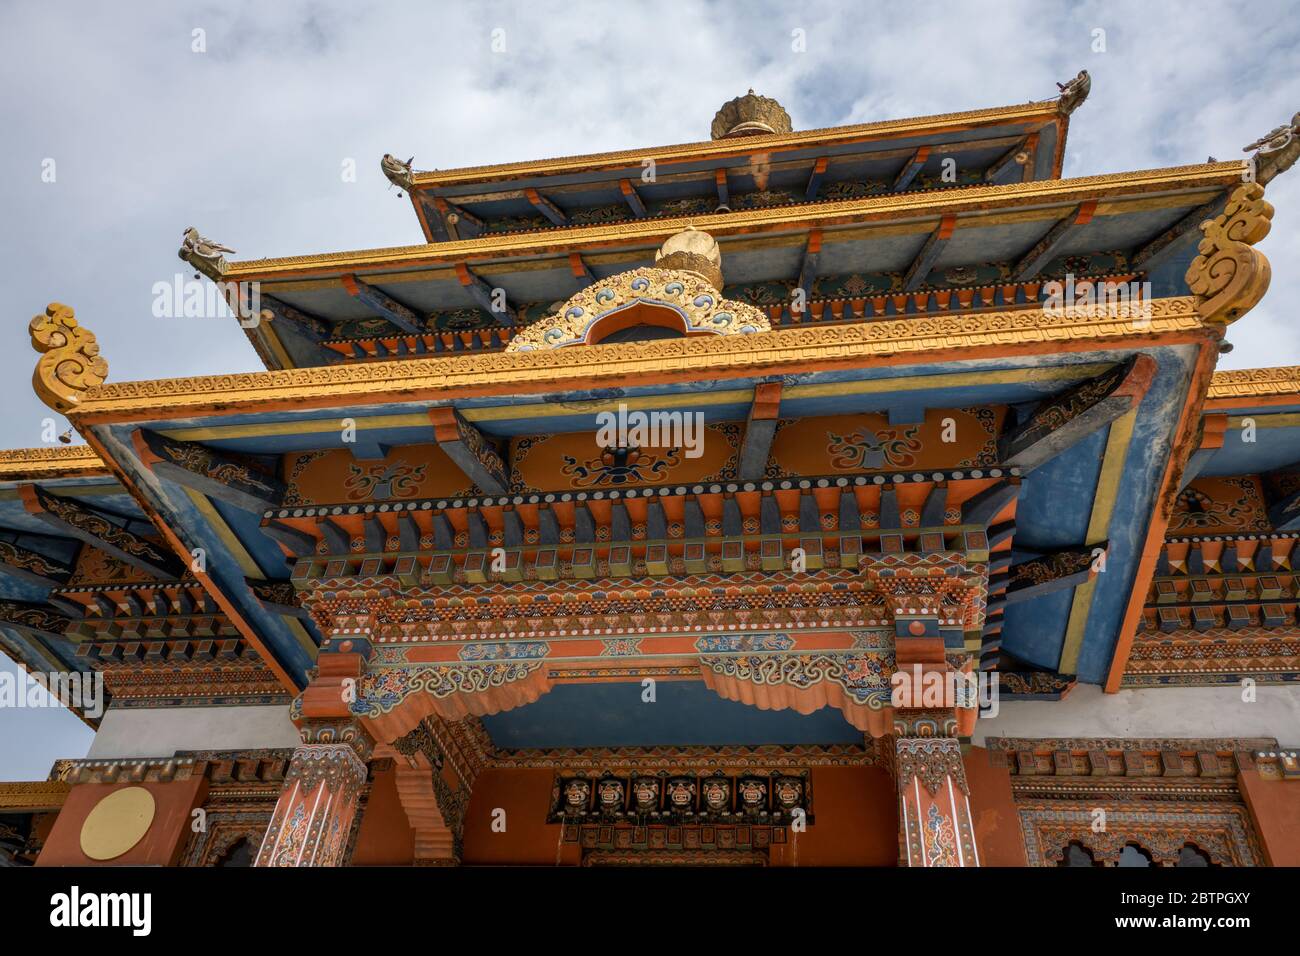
(247,138)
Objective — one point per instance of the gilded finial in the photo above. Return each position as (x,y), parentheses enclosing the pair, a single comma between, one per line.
(399,173)
(1074,92)
(70,362)
(750,115)
(1228,277)
(1275,152)
(692,251)
(203,254)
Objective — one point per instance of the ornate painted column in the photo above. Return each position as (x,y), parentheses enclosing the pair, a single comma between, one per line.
(933,803)
(314,816)
(935,605)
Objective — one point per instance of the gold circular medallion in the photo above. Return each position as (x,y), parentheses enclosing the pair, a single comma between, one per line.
(117,823)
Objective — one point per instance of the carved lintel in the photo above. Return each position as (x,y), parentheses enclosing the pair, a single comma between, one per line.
(99,530)
(469,449)
(1068,418)
(1229,277)
(208,471)
(70,362)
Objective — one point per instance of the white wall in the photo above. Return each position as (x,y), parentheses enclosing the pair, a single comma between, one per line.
(1152,712)
(141,732)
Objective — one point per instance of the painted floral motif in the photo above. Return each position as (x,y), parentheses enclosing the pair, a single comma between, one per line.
(293,838)
(940,842)
(380,481)
(620,466)
(874,449)
(1197,508)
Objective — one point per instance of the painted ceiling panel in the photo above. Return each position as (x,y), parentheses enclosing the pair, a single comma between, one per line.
(685,713)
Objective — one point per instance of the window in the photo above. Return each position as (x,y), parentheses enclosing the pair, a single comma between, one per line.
(1134,855)
(1075,854)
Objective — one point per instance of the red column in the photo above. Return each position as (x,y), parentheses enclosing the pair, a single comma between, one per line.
(313,818)
(934,806)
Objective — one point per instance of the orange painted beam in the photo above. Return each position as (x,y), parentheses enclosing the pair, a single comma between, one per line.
(1184,445)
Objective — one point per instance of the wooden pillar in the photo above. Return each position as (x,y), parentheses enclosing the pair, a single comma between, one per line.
(314,816)
(933,803)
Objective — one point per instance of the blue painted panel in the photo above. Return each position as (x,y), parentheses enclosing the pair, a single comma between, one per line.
(1272,448)
(685,713)
(1034,630)
(1056,498)
(1148,455)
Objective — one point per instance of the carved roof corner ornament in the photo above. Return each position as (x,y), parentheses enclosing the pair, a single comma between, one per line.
(1275,152)
(1229,277)
(750,115)
(1074,92)
(692,251)
(203,254)
(70,362)
(686,279)
(399,173)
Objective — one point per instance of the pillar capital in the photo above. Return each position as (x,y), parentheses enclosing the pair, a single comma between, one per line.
(312,822)
(934,803)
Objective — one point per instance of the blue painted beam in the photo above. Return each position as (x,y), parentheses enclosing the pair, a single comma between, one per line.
(493,300)
(289,323)
(1042,252)
(760,429)
(1150,255)
(460,223)
(815,180)
(808,269)
(395,312)
(580,270)
(724,193)
(929,254)
(1008,159)
(910,169)
(546,207)
(633,200)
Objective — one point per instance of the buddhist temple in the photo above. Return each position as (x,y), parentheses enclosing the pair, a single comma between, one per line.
(863,496)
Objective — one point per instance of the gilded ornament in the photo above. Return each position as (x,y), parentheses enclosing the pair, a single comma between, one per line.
(70,362)
(693,298)
(1275,152)
(692,251)
(750,115)
(1229,277)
